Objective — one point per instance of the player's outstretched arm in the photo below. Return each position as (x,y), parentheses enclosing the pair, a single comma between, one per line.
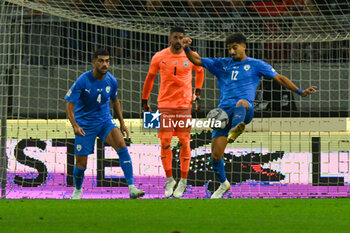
(192,56)
(309,91)
(119,111)
(287,83)
(70,114)
(146,91)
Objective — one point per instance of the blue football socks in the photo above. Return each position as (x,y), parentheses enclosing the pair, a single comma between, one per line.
(238,116)
(126,164)
(78,175)
(219,169)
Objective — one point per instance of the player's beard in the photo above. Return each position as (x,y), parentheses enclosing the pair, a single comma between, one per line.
(177,46)
(102,72)
(235,58)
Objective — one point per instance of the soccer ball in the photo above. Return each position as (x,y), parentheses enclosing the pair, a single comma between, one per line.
(219,118)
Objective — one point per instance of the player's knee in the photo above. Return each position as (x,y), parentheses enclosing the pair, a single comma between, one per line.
(184,142)
(120,145)
(81,164)
(165,143)
(120,148)
(243,103)
(216,155)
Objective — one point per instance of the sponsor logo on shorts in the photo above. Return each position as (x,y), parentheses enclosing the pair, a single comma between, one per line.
(113,122)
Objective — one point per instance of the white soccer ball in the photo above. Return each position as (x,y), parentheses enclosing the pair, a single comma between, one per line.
(218,117)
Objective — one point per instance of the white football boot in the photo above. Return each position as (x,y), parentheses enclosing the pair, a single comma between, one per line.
(223,188)
(180,189)
(135,192)
(76,194)
(169,187)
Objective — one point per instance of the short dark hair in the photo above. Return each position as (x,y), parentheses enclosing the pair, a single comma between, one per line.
(236,38)
(177,29)
(100,52)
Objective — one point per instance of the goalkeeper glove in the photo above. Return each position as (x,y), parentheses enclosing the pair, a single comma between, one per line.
(145,106)
(197,98)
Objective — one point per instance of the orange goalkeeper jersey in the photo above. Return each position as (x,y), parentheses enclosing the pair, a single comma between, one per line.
(175,79)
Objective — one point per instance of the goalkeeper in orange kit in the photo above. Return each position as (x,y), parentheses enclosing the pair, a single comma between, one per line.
(175,103)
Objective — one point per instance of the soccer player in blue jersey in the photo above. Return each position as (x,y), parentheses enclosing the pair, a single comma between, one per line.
(88,111)
(238,77)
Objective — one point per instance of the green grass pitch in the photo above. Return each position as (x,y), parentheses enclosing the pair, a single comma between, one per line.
(226,215)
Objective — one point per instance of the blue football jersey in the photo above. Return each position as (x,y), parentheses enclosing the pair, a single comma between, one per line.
(91,98)
(238,80)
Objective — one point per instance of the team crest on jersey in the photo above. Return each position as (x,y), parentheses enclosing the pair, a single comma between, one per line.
(246,67)
(108,88)
(79,147)
(69,93)
(186,63)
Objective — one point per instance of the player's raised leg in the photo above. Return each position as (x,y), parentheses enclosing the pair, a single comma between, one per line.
(238,124)
(78,174)
(218,145)
(185,159)
(167,159)
(116,140)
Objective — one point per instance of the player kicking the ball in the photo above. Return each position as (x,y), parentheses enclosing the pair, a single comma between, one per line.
(238,77)
(174,99)
(88,111)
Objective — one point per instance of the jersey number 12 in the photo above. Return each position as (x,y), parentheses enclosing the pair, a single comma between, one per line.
(234,75)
